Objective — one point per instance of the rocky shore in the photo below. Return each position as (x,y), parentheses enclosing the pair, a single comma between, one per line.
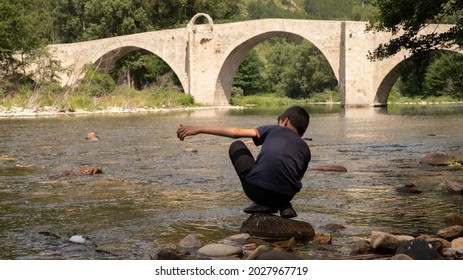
(286,236)
(51,111)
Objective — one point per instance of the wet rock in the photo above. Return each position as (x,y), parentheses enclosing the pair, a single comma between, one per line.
(457,243)
(453,187)
(382,241)
(219,250)
(92,137)
(189,244)
(362,247)
(439,244)
(408,188)
(418,249)
(454,219)
(167,254)
(322,238)
(453,253)
(401,257)
(278,255)
(91,170)
(451,233)
(439,158)
(334,227)
(332,168)
(271,227)
(286,245)
(256,253)
(238,240)
(77,239)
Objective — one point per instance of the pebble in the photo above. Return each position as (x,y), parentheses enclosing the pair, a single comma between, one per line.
(77,239)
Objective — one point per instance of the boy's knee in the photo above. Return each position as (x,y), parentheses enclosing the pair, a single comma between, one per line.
(236,146)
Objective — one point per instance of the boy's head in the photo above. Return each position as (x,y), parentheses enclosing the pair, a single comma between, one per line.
(298,117)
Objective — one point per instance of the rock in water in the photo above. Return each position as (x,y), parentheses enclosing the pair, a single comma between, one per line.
(438,158)
(418,249)
(77,239)
(271,227)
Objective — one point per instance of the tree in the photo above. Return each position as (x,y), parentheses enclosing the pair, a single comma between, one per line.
(444,76)
(410,17)
(21,28)
(249,75)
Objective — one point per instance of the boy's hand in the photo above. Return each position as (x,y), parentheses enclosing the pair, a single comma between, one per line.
(186,130)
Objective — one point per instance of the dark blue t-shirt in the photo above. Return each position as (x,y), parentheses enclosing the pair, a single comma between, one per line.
(282,161)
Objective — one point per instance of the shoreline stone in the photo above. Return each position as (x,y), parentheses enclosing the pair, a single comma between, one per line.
(49,111)
(276,228)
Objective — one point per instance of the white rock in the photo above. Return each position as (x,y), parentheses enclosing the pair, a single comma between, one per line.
(77,239)
(219,250)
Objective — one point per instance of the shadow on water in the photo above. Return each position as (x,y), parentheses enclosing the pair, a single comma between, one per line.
(152,193)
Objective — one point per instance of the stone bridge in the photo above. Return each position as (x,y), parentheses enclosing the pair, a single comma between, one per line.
(205,57)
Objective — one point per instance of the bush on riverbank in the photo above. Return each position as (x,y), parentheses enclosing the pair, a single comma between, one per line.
(279,99)
(123,96)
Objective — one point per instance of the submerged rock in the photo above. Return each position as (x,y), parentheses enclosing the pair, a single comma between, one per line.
(332,168)
(439,158)
(278,255)
(271,227)
(453,187)
(92,137)
(454,219)
(408,188)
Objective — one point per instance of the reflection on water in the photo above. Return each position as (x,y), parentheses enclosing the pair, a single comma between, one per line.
(152,193)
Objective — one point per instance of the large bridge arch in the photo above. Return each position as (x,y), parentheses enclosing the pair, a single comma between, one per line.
(107,58)
(236,56)
(226,46)
(168,45)
(390,74)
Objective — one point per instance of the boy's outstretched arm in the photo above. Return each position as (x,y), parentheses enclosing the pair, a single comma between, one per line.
(232,132)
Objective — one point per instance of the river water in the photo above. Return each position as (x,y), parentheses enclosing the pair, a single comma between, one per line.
(152,193)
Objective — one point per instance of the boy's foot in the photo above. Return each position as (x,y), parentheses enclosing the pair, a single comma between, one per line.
(256,208)
(288,212)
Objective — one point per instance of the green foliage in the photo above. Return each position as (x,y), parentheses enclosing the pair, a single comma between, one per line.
(141,69)
(96,83)
(411,17)
(249,77)
(444,77)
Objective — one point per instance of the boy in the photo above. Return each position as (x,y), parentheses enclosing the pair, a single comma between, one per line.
(272,180)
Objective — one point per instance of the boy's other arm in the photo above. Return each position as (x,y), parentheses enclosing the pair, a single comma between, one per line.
(231,132)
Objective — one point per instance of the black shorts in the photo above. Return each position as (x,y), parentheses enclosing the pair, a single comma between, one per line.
(243,161)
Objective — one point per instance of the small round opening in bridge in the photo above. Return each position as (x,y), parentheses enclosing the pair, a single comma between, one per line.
(200,18)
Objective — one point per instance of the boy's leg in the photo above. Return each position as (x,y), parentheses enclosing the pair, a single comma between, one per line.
(243,161)
(241,158)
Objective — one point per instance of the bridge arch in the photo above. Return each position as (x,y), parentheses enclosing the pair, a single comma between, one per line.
(105,59)
(237,55)
(392,74)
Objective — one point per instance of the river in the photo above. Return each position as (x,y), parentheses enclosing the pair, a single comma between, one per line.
(152,193)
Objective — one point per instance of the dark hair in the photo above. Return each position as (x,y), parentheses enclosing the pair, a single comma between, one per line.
(298,117)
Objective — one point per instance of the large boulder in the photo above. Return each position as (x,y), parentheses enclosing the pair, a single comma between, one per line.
(418,249)
(272,228)
(383,241)
(451,232)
